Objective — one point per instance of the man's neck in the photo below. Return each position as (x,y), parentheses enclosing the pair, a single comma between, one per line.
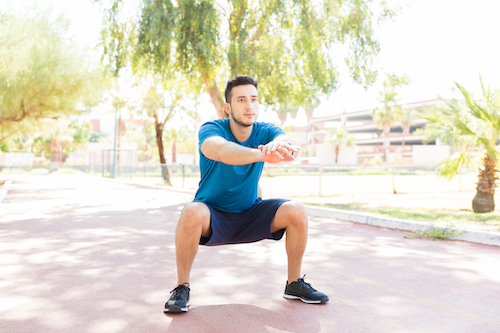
(241,133)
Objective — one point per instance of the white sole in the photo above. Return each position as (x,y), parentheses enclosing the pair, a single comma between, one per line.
(308,301)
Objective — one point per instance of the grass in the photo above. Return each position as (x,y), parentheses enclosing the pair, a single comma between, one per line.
(458,217)
(435,233)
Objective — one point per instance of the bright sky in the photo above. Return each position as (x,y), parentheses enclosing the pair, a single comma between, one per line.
(435,42)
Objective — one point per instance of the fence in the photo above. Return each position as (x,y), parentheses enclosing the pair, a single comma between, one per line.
(285,179)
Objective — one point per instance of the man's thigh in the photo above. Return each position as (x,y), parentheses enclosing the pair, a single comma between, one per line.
(252,225)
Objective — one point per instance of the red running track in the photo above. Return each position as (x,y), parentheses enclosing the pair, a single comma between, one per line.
(82,254)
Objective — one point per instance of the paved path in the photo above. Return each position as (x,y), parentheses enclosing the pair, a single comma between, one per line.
(81,254)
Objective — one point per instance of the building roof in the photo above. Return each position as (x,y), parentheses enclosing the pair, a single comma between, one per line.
(366,115)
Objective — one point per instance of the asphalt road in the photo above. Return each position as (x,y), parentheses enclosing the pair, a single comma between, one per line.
(82,254)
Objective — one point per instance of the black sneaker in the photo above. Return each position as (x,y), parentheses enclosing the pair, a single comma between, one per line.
(179,301)
(303,291)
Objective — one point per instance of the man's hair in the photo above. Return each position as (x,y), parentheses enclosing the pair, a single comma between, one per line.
(238,80)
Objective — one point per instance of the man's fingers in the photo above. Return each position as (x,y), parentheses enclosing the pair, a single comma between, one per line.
(274,147)
(293,148)
(284,151)
(277,154)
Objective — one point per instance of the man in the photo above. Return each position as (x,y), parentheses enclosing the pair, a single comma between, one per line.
(225,209)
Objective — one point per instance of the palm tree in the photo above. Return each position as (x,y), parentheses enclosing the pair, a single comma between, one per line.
(471,125)
(339,137)
(390,112)
(407,119)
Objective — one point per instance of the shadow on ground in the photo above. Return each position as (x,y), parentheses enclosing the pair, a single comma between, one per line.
(242,318)
(81,254)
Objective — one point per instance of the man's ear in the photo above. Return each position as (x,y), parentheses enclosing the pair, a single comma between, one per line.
(227,108)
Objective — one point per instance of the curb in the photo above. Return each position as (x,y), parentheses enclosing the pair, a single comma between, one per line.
(467,235)
(4,189)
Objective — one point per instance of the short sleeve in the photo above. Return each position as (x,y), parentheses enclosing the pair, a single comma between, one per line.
(208,130)
(272,131)
(276,131)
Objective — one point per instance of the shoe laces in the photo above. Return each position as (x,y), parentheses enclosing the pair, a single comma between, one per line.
(304,284)
(179,290)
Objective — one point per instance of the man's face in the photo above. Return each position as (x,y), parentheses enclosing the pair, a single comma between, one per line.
(244,106)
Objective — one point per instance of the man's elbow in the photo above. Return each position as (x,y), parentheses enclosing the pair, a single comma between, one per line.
(213,155)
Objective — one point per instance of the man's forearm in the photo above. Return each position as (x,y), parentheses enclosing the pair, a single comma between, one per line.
(235,154)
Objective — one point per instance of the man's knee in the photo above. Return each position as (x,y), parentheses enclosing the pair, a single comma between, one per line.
(194,214)
(295,212)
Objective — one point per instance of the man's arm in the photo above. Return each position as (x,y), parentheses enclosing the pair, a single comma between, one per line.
(220,150)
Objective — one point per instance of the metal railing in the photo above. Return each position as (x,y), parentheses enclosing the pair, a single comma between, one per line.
(187,176)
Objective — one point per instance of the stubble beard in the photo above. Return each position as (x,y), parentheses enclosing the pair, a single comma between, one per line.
(239,122)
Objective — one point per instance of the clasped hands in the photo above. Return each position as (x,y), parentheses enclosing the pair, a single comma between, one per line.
(278,151)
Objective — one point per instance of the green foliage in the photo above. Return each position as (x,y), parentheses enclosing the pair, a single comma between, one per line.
(339,137)
(289,46)
(390,112)
(423,214)
(435,233)
(6,146)
(81,130)
(43,75)
(182,138)
(408,116)
(467,125)
(450,167)
(96,137)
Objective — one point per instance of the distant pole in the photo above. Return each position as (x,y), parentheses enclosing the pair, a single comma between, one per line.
(113,173)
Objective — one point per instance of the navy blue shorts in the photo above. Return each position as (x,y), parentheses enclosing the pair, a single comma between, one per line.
(251,225)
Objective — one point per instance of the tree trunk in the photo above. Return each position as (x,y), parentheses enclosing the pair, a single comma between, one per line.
(54,155)
(386,143)
(309,113)
(159,141)
(174,152)
(216,97)
(337,151)
(483,202)
(282,115)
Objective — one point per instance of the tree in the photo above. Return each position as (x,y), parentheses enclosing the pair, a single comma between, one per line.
(175,136)
(289,46)
(470,125)
(339,137)
(43,75)
(161,103)
(81,130)
(408,117)
(119,104)
(390,112)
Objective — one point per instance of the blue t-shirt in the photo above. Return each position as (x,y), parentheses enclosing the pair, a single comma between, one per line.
(232,188)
